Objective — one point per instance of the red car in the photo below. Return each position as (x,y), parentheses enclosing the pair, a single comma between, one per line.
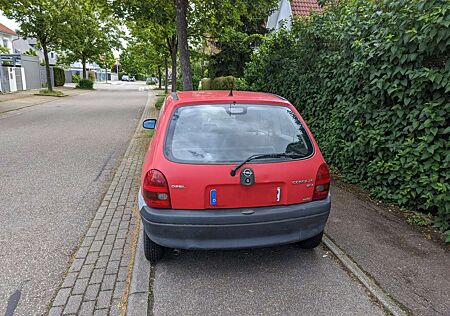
(231,169)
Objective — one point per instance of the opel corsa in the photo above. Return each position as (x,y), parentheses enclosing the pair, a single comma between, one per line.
(228,170)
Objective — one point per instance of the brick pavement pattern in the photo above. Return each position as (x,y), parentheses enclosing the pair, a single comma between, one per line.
(96,281)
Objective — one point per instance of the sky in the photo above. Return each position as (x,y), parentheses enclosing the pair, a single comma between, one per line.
(14,26)
(8,23)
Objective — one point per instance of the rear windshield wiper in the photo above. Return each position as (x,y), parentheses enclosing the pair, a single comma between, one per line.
(263,156)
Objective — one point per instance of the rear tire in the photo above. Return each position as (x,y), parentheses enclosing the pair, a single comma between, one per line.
(152,251)
(312,242)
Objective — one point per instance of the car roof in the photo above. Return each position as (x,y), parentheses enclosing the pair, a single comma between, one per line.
(223,96)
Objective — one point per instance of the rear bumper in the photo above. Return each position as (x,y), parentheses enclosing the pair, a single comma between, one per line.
(231,229)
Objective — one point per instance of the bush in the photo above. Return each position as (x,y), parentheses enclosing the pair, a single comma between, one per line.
(220,83)
(85,84)
(241,84)
(223,83)
(59,76)
(197,74)
(30,52)
(91,76)
(372,78)
(205,84)
(121,74)
(76,78)
(159,101)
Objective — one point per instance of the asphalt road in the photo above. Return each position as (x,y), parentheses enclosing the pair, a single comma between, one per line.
(282,280)
(56,161)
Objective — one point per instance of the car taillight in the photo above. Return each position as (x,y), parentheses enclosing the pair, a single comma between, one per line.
(155,190)
(322,184)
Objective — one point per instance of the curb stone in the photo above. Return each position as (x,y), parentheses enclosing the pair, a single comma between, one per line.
(140,281)
(388,303)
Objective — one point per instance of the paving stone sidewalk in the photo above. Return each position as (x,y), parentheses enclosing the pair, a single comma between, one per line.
(25,99)
(96,281)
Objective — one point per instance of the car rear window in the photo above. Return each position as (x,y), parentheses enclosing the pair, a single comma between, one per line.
(229,133)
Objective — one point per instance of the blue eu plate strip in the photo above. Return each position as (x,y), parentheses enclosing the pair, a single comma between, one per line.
(213,197)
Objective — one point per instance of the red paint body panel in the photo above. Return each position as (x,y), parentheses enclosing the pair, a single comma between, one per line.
(295,178)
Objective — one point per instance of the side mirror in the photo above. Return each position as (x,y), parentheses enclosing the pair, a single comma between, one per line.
(149,124)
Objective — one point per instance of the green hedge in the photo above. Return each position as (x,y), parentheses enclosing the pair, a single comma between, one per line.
(223,83)
(91,76)
(206,83)
(85,84)
(219,83)
(372,79)
(76,78)
(58,74)
(241,84)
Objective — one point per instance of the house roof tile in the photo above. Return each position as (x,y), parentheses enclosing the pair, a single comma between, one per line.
(4,29)
(304,7)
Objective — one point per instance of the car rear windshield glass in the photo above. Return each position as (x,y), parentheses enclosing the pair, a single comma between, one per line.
(229,133)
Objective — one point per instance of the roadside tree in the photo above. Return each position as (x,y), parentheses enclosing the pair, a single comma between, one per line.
(92,33)
(45,20)
(152,21)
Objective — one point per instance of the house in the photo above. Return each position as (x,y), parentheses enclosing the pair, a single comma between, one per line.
(288,9)
(6,37)
(25,45)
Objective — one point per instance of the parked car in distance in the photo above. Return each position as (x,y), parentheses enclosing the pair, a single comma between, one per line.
(228,170)
(125,78)
(152,80)
(132,78)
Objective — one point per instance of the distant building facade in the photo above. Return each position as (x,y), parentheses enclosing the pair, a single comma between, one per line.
(288,9)
(7,36)
(25,45)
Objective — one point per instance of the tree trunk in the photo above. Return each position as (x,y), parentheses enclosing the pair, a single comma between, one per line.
(172,44)
(159,76)
(181,8)
(83,61)
(167,75)
(47,67)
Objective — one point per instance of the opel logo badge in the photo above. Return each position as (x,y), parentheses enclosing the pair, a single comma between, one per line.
(247,176)
(247,172)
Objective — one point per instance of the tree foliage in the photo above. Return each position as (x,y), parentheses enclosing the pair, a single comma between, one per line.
(45,20)
(136,59)
(152,24)
(236,44)
(229,24)
(92,34)
(372,78)
(105,60)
